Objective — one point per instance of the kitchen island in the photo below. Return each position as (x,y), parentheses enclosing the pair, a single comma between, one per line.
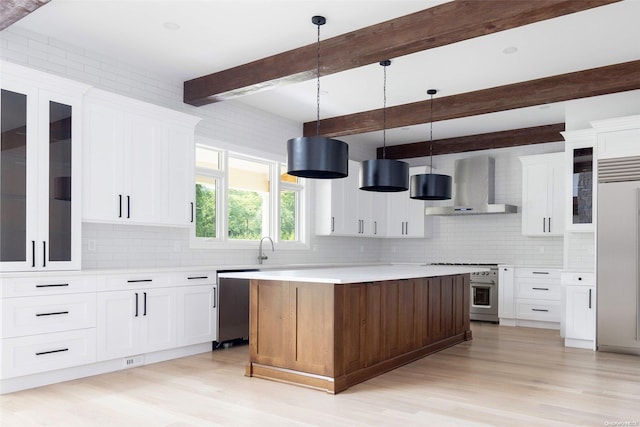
(331,328)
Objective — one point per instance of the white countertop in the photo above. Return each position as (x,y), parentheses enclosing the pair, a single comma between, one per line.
(341,275)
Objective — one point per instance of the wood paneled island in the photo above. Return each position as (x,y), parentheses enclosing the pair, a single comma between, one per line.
(331,328)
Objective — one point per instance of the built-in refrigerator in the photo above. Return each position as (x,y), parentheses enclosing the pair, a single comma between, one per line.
(618,240)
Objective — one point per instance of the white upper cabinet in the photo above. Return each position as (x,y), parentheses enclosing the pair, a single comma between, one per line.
(40,183)
(543,189)
(138,162)
(405,216)
(342,209)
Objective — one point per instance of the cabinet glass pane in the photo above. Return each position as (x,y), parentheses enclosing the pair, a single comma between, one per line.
(13,177)
(59,182)
(582,185)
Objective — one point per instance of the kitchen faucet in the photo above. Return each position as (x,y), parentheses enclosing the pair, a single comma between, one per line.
(261,255)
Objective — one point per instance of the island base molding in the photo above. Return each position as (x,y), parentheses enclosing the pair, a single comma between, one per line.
(333,336)
(333,386)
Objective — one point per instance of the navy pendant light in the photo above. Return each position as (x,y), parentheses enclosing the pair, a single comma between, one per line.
(431,186)
(316,156)
(384,175)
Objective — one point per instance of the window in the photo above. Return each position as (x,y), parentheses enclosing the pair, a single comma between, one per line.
(290,200)
(242,198)
(208,178)
(248,203)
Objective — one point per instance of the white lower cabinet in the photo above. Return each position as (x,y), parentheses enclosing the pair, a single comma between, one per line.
(60,327)
(197,314)
(530,297)
(579,309)
(136,321)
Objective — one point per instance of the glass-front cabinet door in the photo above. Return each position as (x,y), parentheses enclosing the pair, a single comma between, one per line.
(39,196)
(579,160)
(582,186)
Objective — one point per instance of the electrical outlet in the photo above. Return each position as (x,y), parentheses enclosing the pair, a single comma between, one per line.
(132,361)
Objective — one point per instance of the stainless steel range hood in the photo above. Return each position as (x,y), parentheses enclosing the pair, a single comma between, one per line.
(474,180)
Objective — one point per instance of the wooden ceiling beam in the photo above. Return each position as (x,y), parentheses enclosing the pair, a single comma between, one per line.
(485,141)
(438,26)
(14,10)
(581,84)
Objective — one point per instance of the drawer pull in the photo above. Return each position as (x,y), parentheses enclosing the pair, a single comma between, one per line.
(539,272)
(52,351)
(540,289)
(56,313)
(140,281)
(57,285)
(539,309)
(197,277)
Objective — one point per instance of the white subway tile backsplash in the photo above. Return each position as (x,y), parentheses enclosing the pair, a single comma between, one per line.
(493,238)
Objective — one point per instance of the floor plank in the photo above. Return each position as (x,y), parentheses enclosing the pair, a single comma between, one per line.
(505,376)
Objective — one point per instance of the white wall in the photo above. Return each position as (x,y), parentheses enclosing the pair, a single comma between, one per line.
(492,238)
(233,124)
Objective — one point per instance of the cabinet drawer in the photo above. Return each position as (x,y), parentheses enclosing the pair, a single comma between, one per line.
(578,278)
(49,285)
(47,352)
(546,311)
(45,314)
(137,281)
(537,273)
(196,278)
(538,290)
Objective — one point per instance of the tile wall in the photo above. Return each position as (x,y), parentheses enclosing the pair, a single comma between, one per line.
(494,238)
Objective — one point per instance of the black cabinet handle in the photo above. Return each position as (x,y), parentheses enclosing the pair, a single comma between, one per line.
(52,313)
(197,277)
(136,305)
(590,298)
(375,227)
(44,253)
(140,281)
(191,211)
(128,206)
(549,224)
(119,205)
(52,286)
(539,309)
(539,272)
(33,253)
(544,224)
(333,224)
(407,228)
(215,297)
(540,289)
(144,312)
(52,351)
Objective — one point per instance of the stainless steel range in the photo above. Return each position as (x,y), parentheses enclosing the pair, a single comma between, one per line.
(484,291)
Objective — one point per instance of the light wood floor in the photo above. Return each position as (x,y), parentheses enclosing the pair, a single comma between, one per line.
(505,376)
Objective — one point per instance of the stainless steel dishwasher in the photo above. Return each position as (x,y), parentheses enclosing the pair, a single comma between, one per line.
(233,308)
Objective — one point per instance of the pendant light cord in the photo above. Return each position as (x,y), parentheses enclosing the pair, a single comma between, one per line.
(431,92)
(318,84)
(384,115)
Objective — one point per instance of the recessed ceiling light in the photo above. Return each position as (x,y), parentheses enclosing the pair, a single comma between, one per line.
(509,50)
(171,26)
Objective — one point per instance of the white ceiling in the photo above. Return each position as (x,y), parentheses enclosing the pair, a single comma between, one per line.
(214,35)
